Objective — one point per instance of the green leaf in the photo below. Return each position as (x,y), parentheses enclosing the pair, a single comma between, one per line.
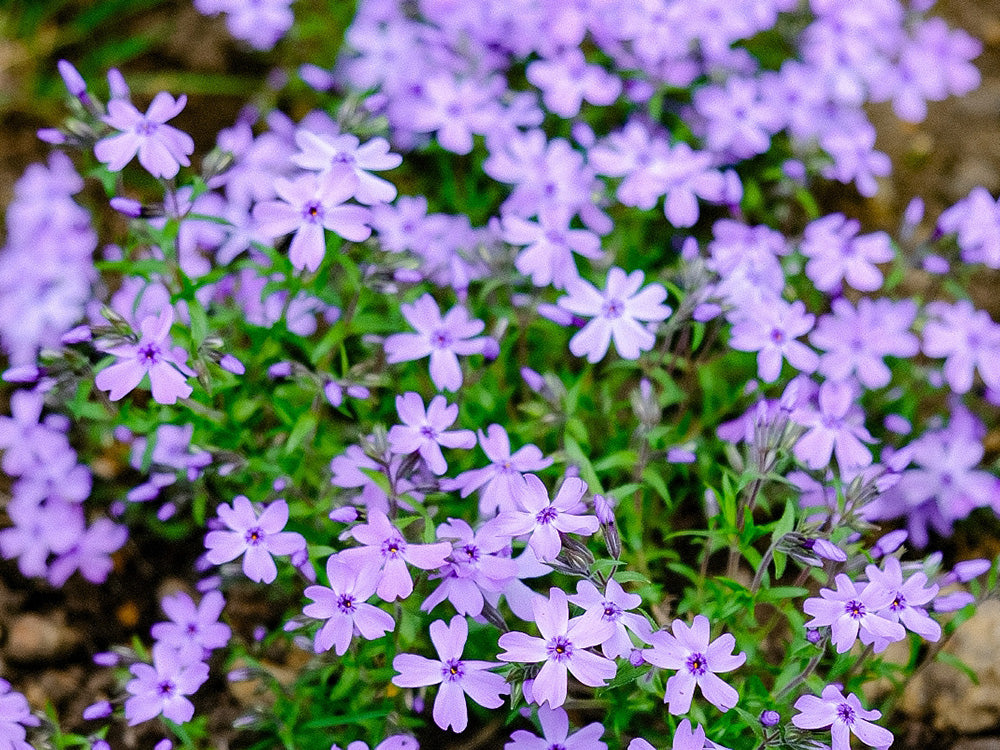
(199,321)
(587,473)
(305,425)
(625,675)
(961,666)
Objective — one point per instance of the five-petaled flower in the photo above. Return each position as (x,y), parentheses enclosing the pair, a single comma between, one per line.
(425,432)
(454,674)
(562,647)
(154,355)
(697,661)
(344,606)
(162,148)
(851,610)
(844,716)
(161,688)
(258,537)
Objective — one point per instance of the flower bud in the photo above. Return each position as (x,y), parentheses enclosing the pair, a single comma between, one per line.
(99,710)
(769,718)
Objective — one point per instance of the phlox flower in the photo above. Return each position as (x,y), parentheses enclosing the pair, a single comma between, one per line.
(907,598)
(162,148)
(548,257)
(163,687)
(306,206)
(395,742)
(442,338)
(697,661)
(344,606)
(15,715)
(424,432)
(771,328)
(613,606)
(844,716)
(685,738)
(850,611)
(616,314)
(502,482)
(555,734)
(477,564)
(544,519)
(255,537)
(835,428)
(193,629)
(321,152)
(457,677)
(562,647)
(153,355)
(387,553)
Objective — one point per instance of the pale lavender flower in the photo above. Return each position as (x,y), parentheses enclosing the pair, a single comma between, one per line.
(15,715)
(306,206)
(835,428)
(162,688)
(685,738)
(976,220)
(907,598)
(193,629)
(548,257)
(260,23)
(255,537)
(457,677)
(344,606)
(851,610)
(562,647)
(613,606)
(162,148)
(479,565)
(90,553)
(837,253)
(697,663)
(616,313)
(567,79)
(771,329)
(395,742)
(387,552)
(968,339)
(424,432)
(545,519)
(844,716)
(502,482)
(555,734)
(441,338)
(153,355)
(322,152)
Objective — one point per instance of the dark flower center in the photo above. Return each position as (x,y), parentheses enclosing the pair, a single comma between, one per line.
(899,603)
(149,354)
(546,516)
(452,670)
(254,536)
(428,432)
(346,604)
(145,127)
(471,552)
(612,612)
(854,609)
(192,628)
(778,336)
(697,665)
(845,713)
(559,648)
(441,339)
(166,688)
(393,547)
(612,308)
(313,212)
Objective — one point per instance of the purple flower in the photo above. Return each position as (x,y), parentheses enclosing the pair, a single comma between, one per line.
(454,674)
(697,663)
(850,611)
(616,314)
(555,734)
(685,738)
(545,519)
(856,340)
(387,553)
(90,553)
(613,606)
(968,339)
(15,715)
(425,432)
(976,220)
(162,149)
(502,482)
(153,355)
(771,329)
(442,338)
(844,716)
(907,598)
(260,23)
(321,152)
(478,563)
(562,647)
(193,629)
(836,427)
(308,205)
(255,537)
(162,687)
(566,80)
(837,254)
(344,606)
(548,257)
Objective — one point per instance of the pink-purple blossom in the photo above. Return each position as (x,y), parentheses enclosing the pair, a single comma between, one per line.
(425,431)
(256,537)
(192,630)
(697,662)
(162,148)
(556,734)
(163,687)
(457,677)
(851,610)
(844,716)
